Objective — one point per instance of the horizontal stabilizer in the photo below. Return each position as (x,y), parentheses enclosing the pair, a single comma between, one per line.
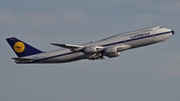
(23,59)
(68,46)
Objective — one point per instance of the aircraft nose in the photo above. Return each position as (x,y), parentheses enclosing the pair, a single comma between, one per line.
(172,32)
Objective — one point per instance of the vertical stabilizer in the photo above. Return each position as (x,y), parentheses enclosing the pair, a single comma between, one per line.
(21,48)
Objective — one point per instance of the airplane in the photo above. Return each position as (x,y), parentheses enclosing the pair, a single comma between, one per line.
(109,47)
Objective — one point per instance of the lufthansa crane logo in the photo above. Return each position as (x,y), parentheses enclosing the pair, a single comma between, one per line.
(19,47)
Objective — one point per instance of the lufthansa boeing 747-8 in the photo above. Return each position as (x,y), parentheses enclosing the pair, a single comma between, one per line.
(108,47)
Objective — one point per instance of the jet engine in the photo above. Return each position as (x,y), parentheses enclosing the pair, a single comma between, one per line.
(113,55)
(111,52)
(92,49)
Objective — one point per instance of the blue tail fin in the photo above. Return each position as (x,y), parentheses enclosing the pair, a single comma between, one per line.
(21,48)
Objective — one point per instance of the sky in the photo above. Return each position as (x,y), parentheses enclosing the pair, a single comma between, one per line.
(150,73)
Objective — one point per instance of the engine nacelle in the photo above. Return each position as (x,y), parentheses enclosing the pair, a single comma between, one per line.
(113,55)
(92,49)
(110,50)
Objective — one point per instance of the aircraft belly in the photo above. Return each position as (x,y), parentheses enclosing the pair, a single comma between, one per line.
(65,58)
(161,37)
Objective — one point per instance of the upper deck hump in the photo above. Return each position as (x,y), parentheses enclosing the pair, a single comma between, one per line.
(132,32)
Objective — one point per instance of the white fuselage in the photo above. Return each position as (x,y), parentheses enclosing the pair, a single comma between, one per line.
(134,39)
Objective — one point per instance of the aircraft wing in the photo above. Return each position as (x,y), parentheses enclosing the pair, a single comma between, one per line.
(69,46)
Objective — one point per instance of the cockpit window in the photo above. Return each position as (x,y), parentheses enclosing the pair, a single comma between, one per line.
(160,27)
